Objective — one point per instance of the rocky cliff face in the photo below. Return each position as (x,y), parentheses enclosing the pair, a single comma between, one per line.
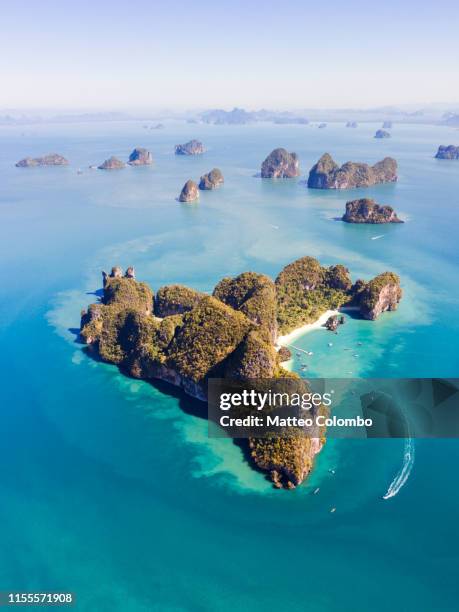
(327,174)
(211,180)
(382,134)
(381,294)
(53,159)
(280,164)
(140,157)
(112,163)
(366,210)
(190,192)
(193,147)
(117,272)
(447,152)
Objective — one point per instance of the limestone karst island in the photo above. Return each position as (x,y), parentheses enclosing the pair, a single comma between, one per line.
(183,337)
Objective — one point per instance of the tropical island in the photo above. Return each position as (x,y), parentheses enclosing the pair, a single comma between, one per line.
(53,159)
(447,152)
(189,192)
(280,164)
(327,174)
(140,157)
(192,147)
(112,163)
(212,180)
(184,337)
(366,210)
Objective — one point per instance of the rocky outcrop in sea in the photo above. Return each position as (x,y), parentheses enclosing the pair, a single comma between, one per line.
(366,210)
(140,157)
(53,159)
(211,180)
(447,152)
(280,164)
(382,134)
(327,174)
(351,124)
(387,125)
(333,322)
(112,163)
(381,294)
(190,192)
(193,147)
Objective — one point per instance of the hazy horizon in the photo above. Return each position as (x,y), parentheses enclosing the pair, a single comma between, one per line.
(189,56)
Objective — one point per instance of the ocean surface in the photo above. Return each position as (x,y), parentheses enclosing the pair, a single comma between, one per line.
(110,488)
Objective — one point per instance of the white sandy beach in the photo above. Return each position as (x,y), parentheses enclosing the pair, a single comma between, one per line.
(299,331)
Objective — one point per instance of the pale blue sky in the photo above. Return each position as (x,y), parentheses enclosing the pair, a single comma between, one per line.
(278,54)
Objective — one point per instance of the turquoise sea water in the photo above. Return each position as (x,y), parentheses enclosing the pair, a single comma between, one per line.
(110,488)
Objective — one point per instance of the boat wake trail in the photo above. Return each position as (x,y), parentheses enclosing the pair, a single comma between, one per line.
(404,472)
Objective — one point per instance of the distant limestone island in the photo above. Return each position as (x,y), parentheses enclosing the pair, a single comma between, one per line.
(190,192)
(239,116)
(366,210)
(212,180)
(447,152)
(451,119)
(382,134)
(112,163)
(156,126)
(280,164)
(193,147)
(351,124)
(53,159)
(327,174)
(138,157)
(184,337)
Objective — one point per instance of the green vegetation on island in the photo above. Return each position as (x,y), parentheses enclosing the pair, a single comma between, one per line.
(305,290)
(175,299)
